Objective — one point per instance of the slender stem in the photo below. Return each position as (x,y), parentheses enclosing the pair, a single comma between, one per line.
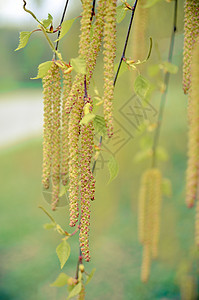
(79,262)
(44,210)
(126,42)
(164,95)
(50,42)
(93,10)
(30,12)
(62,19)
(121,59)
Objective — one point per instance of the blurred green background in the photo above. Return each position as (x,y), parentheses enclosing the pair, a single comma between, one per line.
(28,262)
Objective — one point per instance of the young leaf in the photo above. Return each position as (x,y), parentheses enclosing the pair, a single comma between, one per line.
(113,168)
(60,230)
(48,21)
(121,13)
(142,87)
(49,225)
(75,291)
(63,190)
(23,39)
(43,69)
(99,125)
(66,25)
(87,118)
(61,280)
(63,252)
(90,276)
(79,64)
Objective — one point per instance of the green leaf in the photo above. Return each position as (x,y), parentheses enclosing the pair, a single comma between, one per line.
(90,276)
(43,69)
(75,291)
(61,280)
(65,27)
(169,67)
(63,252)
(47,22)
(87,118)
(142,87)
(150,3)
(99,125)
(121,13)
(162,154)
(113,168)
(23,39)
(79,64)
(49,225)
(63,190)
(166,187)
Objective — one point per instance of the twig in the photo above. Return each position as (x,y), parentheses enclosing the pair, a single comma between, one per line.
(164,95)
(93,10)
(62,19)
(121,59)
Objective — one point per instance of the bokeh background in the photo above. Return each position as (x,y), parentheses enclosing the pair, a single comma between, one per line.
(28,262)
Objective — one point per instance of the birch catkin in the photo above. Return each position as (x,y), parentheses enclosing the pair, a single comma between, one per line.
(109,56)
(191,33)
(149,217)
(193,134)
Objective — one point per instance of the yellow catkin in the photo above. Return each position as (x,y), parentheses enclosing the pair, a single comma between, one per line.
(84,42)
(56,136)
(67,82)
(47,128)
(139,42)
(142,208)
(146,263)
(73,134)
(149,217)
(191,33)
(87,183)
(157,199)
(193,134)
(109,56)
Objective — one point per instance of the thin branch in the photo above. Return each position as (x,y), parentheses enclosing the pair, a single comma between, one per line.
(121,59)
(93,10)
(164,95)
(126,42)
(62,19)
(79,262)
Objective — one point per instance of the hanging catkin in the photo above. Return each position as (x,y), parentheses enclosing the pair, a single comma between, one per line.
(56,136)
(193,134)
(191,33)
(84,42)
(67,82)
(149,217)
(87,182)
(109,56)
(47,128)
(74,129)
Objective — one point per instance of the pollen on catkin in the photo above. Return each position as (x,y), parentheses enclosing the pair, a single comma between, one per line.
(56,136)
(109,56)
(149,217)
(191,33)
(67,82)
(73,135)
(47,128)
(192,173)
(84,43)
(87,182)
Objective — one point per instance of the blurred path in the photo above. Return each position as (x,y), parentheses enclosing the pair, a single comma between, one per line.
(20,115)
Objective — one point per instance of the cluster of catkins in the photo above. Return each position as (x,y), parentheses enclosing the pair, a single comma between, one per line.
(191,87)
(150,198)
(67,144)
